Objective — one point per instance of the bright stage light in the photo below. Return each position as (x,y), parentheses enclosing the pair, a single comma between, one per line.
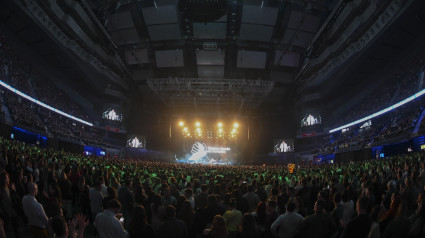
(197,124)
(234,130)
(185,129)
(235,125)
(181,123)
(220,130)
(220,124)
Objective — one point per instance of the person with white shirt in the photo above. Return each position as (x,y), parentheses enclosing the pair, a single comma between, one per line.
(96,199)
(34,211)
(107,225)
(287,222)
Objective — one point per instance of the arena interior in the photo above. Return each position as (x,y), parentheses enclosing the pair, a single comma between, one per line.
(212,118)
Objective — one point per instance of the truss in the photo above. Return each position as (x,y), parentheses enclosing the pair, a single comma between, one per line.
(189,91)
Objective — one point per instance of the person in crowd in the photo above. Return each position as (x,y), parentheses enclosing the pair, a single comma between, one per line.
(222,183)
(75,229)
(188,193)
(9,203)
(34,211)
(233,218)
(252,198)
(138,226)
(299,203)
(348,207)
(400,225)
(112,194)
(375,231)
(271,216)
(201,198)
(287,223)
(361,224)
(218,228)
(386,201)
(185,214)
(241,203)
(126,198)
(96,199)
(418,218)
(158,213)
(54,210)
(338,212)
(172,227)
(249,228)
(2,232)
(318,225)
(387,216)
(107,224)
(66,194)
(167,198)
(261,213)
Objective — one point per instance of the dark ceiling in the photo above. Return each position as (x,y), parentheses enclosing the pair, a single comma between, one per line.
(177,54)
(235,40)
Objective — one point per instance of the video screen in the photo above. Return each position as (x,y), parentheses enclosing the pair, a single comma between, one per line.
(311,120)
(136,141)
(283,145)
(112,115)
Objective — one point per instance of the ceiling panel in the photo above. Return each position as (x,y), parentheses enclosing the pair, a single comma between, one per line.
(125,36)
(251,59)
(141,75)
(255,32)
(210,71)
(205,57)
(287,58)
(137,56)
(169,58)
(160,15)
(259,15)
(303,21)
(311,24)
(209,30)
(283,77)
(121,20)
(298,38)
(164,32)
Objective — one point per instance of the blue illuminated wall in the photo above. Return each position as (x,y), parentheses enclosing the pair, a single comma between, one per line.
(418,143)
(378,152)
(94,151)
(324,159)
(28,137)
